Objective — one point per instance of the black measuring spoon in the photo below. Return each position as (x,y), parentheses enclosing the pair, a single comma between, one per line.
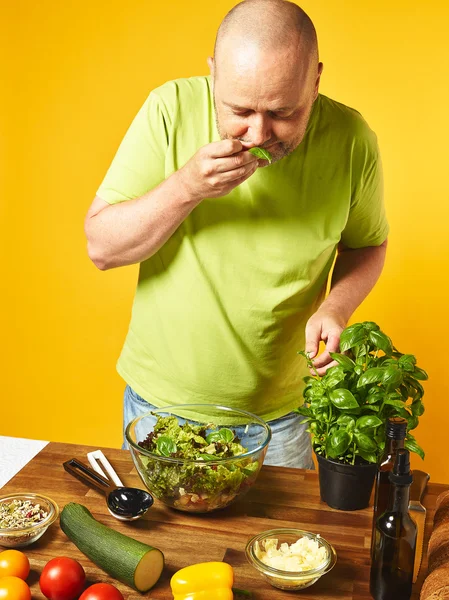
(124,503)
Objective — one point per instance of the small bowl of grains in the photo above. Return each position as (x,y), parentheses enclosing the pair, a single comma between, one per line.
(24,518)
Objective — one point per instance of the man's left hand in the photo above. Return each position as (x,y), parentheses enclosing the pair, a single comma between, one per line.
(323,326)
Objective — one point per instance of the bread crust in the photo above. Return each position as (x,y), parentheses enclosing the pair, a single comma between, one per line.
(436,584)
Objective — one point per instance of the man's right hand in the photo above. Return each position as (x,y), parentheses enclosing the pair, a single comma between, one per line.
(130,232)
(216,169)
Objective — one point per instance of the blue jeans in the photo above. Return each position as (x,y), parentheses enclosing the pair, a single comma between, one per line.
(290,443)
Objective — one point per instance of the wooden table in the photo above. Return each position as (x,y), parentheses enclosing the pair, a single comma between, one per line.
(281,497)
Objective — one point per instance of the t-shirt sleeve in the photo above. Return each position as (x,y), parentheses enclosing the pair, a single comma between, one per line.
(139,164)
(367,223)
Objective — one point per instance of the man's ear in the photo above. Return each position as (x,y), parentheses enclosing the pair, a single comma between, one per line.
(210,62)
(317,82)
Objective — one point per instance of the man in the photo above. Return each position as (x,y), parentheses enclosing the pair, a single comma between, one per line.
(235,252)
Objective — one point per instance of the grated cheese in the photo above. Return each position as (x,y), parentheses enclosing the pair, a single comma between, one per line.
(302,555)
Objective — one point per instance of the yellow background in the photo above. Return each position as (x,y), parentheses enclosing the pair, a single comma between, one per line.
(74,76)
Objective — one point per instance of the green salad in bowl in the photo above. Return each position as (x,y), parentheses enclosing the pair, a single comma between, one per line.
(190,462)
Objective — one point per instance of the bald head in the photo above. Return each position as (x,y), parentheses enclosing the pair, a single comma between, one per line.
(269,25)
(266,75)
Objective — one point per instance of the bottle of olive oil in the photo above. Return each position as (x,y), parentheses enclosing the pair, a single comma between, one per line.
(395,538)
(395,432)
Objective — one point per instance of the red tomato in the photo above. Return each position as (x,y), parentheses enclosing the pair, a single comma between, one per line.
(101,591)
(13,588)
(14,563)
(62,579)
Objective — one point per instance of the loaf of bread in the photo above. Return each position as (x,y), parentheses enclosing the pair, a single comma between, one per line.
(441,510)
(436,584)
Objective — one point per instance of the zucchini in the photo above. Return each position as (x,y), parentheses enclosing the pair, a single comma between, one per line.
(132,562)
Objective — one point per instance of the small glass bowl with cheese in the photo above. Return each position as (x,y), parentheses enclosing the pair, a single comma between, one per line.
(290,559)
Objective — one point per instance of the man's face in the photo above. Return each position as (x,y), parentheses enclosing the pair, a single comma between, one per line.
(263,98)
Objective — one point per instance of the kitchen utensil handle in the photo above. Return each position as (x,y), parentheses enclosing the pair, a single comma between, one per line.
(418,487)
(87,475)
(98,455)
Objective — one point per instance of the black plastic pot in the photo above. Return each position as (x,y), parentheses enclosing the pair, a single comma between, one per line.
(343,486)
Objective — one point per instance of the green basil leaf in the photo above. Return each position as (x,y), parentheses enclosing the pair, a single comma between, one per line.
(373,375)
(368,422)
(417,408)
(165,445)
(392,378)
(374,396)
(315,408)
(353,328)
(333,377)
(343,399)
(416,390)
(381,341)
(308,393)
(407,362)
(401,412)
(207,457)
(396,403)
(368,456)
(324,402)
(375,390)
(337,443)
(346,421)
(412,422)
(370,326)
(360,355)
(352,336)
(304,411)
(420,374)
(223,435)
(316,427)
(261,153)
(384,361)
(344,361)
(413,446)
(370,408)
(403,389)
(364,442)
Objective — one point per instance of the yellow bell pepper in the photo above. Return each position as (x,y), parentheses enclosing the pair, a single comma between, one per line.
(204,581)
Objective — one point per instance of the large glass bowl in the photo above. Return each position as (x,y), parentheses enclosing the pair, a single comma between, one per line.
(200,486)
(283,579)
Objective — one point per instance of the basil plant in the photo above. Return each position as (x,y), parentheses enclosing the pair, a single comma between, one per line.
(347,408)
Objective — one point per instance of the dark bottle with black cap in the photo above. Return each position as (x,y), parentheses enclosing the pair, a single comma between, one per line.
(395,432)
(395,538)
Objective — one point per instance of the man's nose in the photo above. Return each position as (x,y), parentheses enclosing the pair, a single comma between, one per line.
(259,129)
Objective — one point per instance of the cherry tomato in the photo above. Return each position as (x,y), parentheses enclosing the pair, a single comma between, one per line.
(101,591)
(14,563)
(62,579)
(13,588)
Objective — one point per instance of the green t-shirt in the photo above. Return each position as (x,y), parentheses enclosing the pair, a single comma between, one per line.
(220,310)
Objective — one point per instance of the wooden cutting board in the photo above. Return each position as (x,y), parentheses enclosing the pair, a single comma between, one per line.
(281,497)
